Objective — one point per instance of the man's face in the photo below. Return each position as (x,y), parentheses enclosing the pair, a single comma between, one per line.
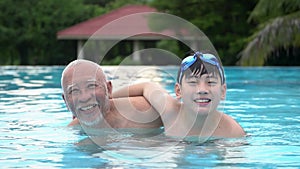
(202,94)
(86,93)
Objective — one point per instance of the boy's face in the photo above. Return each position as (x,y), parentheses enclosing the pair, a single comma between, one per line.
(201,93)
(86,93)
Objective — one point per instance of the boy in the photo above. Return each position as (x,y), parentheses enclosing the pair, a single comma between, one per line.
(200,87)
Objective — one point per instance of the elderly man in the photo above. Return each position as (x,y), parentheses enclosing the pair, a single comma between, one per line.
(87,94)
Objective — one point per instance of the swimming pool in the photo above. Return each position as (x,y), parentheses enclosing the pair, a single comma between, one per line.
(33,119)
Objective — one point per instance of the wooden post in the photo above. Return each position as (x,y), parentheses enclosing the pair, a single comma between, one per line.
(80,52)
(136,53)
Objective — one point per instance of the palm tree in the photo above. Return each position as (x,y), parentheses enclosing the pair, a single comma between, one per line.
(279,26)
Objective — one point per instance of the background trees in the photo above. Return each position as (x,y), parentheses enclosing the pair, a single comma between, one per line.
(28,30)
(258,32)
(276,41)
(223,21)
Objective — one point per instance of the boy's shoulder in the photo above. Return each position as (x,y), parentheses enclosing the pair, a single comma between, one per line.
(232,127)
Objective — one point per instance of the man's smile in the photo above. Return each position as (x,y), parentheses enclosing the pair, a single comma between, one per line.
(88,107)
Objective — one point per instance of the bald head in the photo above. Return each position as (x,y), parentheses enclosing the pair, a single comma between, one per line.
(84,86)
(81,68)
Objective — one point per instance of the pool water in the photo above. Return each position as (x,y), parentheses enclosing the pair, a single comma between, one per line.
(33,119)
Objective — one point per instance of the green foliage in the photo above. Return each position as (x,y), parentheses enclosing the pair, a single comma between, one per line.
(266,9)
(173,46)
(223,21)
(28,29)
(279,27)
(114,4)
(169,45)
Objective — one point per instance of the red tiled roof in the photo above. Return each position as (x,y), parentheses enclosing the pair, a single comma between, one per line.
(108,25)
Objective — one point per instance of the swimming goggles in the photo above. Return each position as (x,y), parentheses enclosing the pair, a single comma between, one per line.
(207,58)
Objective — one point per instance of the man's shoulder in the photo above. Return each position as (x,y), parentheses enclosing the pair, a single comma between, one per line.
(74,122)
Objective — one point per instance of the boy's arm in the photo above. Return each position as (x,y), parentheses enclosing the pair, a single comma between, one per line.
(130,91)
(157,96)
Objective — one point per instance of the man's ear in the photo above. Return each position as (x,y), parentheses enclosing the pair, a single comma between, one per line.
(109,89)
(178,91)
(223,90)
(63,96)
(66,103)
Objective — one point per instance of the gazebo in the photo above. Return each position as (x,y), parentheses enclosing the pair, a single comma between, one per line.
(125,23)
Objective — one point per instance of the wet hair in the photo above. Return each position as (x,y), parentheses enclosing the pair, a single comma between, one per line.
(199,68)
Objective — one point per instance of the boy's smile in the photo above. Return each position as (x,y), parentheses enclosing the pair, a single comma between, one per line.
(202,101)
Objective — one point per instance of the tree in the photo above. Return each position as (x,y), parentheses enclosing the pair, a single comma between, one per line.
(223,21)
(278,30)
(28,29)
